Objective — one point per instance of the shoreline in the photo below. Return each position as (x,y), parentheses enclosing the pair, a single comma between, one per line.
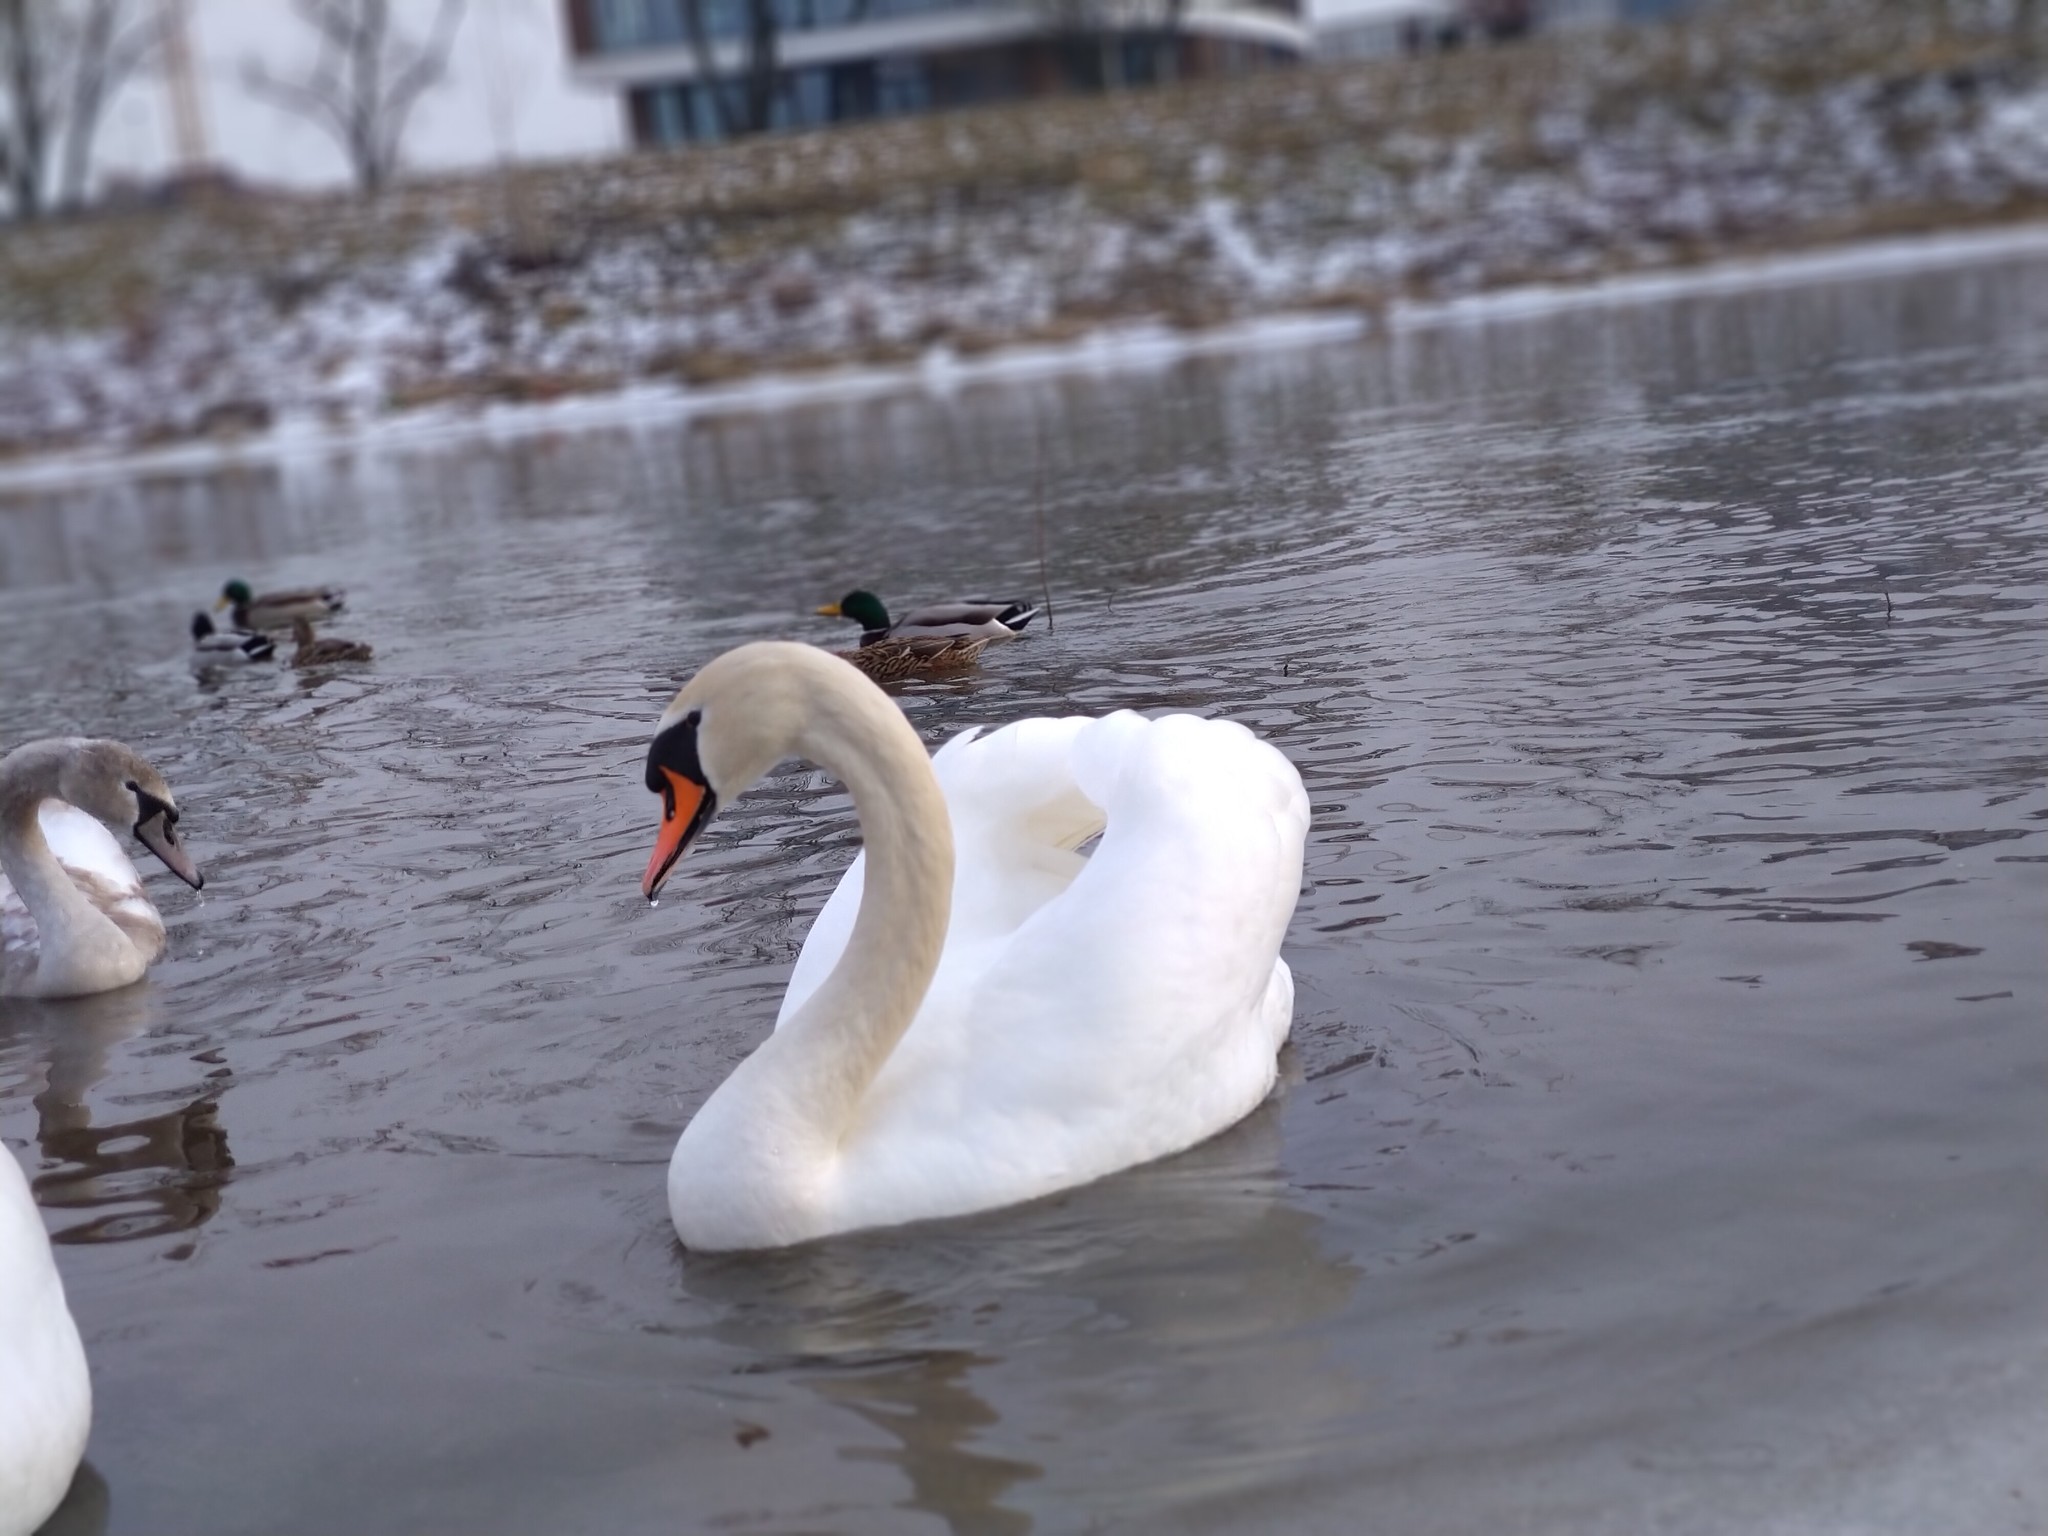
(1111,348)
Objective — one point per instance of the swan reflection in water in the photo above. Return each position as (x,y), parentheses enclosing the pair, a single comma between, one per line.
(924,1400)
(140,1177)
(1163,1325)
(87,1509)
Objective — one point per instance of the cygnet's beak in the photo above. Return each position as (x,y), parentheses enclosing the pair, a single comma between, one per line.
(830,610)
(156,833)
(687,805)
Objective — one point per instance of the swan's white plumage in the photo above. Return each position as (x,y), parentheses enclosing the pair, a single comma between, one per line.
(73,915)
(92,858)
(80,841)
(45,1393)
(1088,1013)
(85,848)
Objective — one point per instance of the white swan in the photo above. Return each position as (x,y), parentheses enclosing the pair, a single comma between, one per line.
(45,1393)
(73,914)
(951,1043)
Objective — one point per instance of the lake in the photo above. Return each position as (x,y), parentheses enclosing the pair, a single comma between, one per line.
(1662,1145)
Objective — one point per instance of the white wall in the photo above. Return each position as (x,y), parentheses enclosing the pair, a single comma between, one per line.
(507,93)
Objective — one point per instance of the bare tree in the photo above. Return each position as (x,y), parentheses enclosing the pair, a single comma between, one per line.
(754,109)
(33,59)
(113,42)
(366,81)
(61,61)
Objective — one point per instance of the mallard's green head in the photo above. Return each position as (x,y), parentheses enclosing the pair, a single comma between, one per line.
(864,608)
(235,594)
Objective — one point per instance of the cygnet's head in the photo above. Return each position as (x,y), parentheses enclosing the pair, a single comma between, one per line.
(110,780)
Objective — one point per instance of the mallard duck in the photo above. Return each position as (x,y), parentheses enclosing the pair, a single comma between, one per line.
(211,648)
(318,653)
(897,660)
(74,917)
(981,1014)
(276,610)
(993,619)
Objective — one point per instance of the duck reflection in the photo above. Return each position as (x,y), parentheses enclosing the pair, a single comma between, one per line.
(1129,1348)
(135,1178)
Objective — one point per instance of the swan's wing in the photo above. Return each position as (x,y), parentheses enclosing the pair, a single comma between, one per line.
(97,866)
(83,845)
(1174,925)
(1016,813)
(20,942)
(1139,1009)
(826,941)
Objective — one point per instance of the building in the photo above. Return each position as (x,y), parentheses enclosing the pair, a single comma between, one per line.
(506,97)
(1357,29)
(840,61)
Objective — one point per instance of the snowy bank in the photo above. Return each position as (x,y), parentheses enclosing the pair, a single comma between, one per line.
(1109,349)
(949,248)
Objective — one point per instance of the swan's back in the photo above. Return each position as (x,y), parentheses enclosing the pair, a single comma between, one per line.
(1089,1013)
(93,859)
(45,1393)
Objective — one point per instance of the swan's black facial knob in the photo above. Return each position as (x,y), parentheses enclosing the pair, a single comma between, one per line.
(675,748)
(156,828)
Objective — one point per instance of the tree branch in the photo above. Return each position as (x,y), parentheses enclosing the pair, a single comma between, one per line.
(333,20)
(366,81)
(33,68)
(316,99)
(107,53)
(132,48)
(426,67)
(707,67)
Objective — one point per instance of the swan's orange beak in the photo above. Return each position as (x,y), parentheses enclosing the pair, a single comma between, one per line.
(686,806)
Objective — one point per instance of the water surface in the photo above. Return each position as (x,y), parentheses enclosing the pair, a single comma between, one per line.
(1661,1145)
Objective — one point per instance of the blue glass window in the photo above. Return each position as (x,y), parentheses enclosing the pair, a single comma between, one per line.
(622,25)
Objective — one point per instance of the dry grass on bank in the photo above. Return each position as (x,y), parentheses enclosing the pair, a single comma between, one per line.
(1759,124)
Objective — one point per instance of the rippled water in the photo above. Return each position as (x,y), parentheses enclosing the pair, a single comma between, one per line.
(1662,1141)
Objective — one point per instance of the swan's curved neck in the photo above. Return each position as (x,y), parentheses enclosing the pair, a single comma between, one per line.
(825,1055)
(71,933)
